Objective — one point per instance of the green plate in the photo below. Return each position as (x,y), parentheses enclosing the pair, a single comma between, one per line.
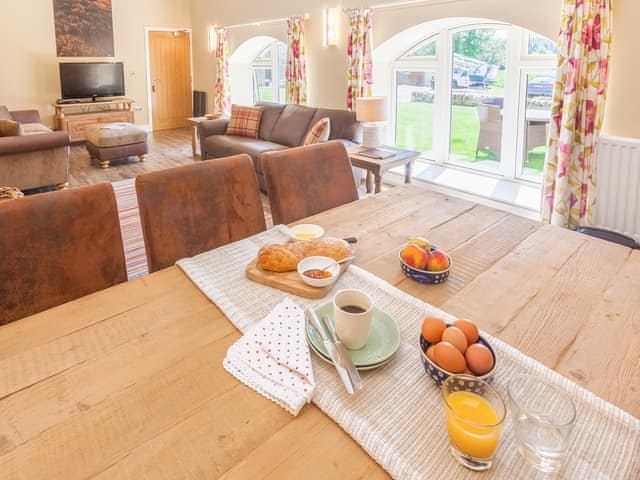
(382,343)
(362,368)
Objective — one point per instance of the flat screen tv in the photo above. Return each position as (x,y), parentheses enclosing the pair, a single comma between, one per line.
(92,80)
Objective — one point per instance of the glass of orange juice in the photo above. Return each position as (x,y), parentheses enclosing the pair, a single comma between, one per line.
(474,413)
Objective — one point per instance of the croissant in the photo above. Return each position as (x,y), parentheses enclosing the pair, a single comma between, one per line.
(284,257)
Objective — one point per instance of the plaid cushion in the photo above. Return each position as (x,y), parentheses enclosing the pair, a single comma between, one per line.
(319,132)
(244,121)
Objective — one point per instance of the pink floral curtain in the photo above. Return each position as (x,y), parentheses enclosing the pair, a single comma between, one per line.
(296,70)
(222,101)
(359,72)
(577,113)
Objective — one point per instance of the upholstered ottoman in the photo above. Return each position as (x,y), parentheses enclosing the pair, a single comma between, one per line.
(109,141)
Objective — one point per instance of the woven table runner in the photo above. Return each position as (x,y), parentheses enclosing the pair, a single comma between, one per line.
(399,418)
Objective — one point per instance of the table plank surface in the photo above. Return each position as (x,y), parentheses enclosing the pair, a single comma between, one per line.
(128,382)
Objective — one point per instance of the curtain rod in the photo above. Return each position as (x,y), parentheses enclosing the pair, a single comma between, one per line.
(263,22)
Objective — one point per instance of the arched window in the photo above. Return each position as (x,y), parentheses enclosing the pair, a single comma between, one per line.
(268,74)
(476,95)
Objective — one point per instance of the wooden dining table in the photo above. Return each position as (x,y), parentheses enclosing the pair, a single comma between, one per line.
(128,382)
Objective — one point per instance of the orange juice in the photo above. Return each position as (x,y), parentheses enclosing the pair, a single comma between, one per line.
(473,424)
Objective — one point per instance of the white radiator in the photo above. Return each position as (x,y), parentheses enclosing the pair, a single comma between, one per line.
(618,185)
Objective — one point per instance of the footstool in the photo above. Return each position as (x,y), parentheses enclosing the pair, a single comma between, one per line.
(109,141)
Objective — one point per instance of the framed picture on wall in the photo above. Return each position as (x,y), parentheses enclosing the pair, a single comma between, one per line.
(84,28)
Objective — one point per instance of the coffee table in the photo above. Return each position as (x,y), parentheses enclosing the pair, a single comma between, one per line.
(376,167)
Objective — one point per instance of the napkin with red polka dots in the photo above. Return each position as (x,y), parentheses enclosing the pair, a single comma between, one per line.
(273,358)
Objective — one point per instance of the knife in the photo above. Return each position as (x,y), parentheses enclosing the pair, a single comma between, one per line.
(347,362)
(331,348)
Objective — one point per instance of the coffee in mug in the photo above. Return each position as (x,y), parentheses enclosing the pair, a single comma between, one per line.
(352,315)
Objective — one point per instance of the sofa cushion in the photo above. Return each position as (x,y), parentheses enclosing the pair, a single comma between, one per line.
(292,125)
(343,123)
(244,121)
(115,134)
(9,128)
(319,132)
(4,113)
(270,114)
(226,145)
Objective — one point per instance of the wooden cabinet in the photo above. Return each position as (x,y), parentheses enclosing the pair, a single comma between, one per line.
(74,118)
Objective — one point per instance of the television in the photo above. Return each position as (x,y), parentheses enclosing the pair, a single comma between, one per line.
(91,80)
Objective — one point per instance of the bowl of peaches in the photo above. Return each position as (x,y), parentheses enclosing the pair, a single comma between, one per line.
(448,349)
(423,262)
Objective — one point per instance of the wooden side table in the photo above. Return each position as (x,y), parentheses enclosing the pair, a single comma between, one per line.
(377,167)
(194,122)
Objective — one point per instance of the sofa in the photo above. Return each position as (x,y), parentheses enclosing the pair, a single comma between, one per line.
(38,157)
(281,127)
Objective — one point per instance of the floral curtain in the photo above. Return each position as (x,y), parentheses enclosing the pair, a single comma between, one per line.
(359,72)
(577,112)
(296,70)
(222,101)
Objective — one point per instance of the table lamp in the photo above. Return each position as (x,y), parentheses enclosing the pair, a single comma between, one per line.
(372,113)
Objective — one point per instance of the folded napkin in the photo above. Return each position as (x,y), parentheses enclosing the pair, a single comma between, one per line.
(273,358)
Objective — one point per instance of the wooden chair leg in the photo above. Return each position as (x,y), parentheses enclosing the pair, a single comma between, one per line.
(104,163)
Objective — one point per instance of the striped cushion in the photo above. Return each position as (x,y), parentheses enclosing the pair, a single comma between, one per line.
(244,121)
(319,132)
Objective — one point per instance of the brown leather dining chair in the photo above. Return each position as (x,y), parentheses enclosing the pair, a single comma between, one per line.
(56,247)
(190,209)
(307,180)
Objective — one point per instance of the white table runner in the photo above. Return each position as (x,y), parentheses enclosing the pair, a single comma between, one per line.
(398,418)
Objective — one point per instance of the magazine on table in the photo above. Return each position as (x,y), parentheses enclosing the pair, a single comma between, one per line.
(378,153)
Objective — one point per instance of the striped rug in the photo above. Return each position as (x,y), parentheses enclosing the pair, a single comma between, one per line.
(132,239)
(131,228)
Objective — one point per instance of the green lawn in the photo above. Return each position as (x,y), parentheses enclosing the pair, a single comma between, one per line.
(415,131)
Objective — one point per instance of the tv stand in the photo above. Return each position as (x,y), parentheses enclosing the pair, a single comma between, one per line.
(74,118)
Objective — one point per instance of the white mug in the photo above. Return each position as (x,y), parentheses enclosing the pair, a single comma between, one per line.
(352,328)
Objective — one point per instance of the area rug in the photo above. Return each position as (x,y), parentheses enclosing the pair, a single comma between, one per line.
(131,228)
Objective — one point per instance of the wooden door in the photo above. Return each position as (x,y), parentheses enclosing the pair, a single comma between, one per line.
(170,65)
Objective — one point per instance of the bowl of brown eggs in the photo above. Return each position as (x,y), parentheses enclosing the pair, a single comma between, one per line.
(448,349)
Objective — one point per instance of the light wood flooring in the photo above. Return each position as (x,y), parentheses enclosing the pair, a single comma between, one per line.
(167,148)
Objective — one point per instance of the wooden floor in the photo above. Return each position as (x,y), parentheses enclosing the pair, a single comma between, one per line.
(167,148)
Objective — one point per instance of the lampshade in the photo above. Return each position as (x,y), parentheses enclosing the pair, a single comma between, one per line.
(371,109)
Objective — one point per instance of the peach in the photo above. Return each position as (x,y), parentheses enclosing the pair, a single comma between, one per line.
(438,261)
(415,256)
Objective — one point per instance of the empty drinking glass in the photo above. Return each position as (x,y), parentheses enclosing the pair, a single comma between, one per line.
(543,417)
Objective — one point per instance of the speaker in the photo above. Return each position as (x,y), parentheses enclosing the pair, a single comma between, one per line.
(199,103)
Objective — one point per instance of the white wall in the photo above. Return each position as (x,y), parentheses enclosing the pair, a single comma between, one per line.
(327,65)
(30,78)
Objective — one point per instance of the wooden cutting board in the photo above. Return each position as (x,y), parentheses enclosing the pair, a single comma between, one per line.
(288,282)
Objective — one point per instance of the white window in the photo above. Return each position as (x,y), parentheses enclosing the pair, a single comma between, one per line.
(268,74)
(476,96)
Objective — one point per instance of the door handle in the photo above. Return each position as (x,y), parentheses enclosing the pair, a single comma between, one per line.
(153,87)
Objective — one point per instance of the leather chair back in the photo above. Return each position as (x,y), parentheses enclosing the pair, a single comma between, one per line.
(56,247)
(190,209)
(307,180)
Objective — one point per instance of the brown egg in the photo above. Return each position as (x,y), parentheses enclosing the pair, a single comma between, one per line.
(479,359)
(455,337)
(469,329)
(432,328)
(429,353)
(448,357)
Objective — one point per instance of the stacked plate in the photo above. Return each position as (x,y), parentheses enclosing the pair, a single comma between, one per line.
(382,343)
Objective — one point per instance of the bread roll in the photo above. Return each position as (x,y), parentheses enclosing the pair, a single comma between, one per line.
(284,257)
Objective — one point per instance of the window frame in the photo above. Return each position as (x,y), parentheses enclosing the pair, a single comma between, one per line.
(276,76)
(518,61)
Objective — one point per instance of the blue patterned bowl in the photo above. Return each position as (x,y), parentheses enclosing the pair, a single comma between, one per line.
(439,375)
(424,276)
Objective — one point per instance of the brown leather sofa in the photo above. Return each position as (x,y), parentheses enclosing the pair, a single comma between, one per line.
(281,127)
(37,158)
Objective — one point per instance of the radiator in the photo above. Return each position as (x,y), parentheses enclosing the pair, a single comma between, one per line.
(618,185)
